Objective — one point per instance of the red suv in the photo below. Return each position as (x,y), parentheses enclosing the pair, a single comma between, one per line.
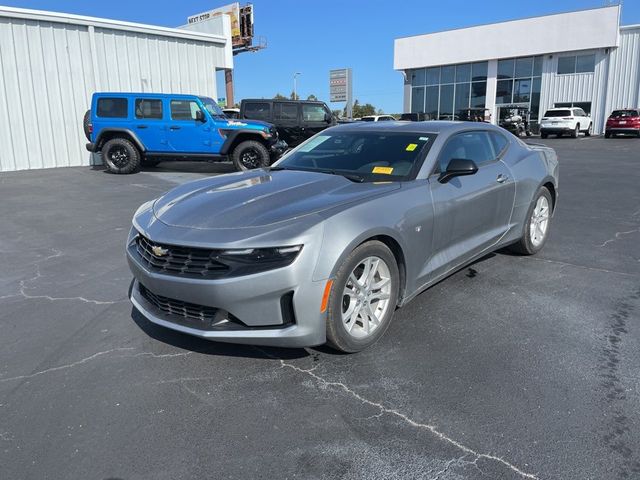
(623,121)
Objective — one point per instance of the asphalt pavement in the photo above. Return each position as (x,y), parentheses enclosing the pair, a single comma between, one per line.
(513,368)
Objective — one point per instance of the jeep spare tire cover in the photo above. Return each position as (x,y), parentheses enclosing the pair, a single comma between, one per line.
(85,124)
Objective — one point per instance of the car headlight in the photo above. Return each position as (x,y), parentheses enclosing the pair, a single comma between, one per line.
(252,260)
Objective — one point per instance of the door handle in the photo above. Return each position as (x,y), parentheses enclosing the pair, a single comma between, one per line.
(502,178)
(142,126)
(174,127)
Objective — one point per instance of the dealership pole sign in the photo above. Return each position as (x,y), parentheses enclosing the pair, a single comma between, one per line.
(340,87)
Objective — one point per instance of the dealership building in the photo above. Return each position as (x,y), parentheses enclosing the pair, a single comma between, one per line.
(583,59)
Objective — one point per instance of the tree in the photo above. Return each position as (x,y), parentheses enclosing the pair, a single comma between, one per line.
(294,96)
(360,111)
(279,97)
(312,97)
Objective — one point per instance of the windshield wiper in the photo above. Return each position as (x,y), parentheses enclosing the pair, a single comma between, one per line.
(349,176)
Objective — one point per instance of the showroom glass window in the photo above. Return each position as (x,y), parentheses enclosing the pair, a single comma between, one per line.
(519,83)
(450,92)
(576,64)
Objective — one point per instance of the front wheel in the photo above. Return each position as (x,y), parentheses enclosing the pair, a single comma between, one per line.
(249,155)
(589,130)
(363,298)
(607,134)
(544,134)
(536,224)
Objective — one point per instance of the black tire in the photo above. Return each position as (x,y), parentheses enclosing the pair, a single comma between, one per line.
(337,335)
(249,155)
(120,155)
(544,134)
(607,134)
(588,132)
(576,131)
(525,245)
(85,124)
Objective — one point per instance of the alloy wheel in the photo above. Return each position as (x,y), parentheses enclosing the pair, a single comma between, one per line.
(119,156)
(365,299)
(250,158)
(539,221)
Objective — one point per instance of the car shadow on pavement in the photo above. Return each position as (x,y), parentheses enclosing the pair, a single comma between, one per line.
(181,166)
(208,347)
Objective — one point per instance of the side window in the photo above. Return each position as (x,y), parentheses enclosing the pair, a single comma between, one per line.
(285,112)
(147,108)
(499,142)
(112,107)
(313,113)
(581,112)
(257,111)
(474,146)
(184,109)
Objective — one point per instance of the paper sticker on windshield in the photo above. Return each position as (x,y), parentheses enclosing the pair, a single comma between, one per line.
(411,147)
(385,170)
(314,143)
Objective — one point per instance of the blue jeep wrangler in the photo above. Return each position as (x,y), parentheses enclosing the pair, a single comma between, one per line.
(131,129)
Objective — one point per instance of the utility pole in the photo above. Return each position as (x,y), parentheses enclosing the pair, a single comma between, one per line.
(295,85)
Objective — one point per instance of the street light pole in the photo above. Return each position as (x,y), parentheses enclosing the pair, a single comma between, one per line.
(295,85)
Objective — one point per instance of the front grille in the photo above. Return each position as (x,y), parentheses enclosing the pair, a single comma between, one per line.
(182,261)
(198,316)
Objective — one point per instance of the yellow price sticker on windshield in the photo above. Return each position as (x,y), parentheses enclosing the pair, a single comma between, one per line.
(411,147)
(385,170)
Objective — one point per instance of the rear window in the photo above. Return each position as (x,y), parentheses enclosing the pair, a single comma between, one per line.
(624,113)
(367,119)
(558,113)
(257,110)
(112,107)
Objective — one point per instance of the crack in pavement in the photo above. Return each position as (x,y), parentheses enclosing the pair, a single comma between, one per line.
(23,287)
(93,357)
(618,235)
(383,409)
(566,264)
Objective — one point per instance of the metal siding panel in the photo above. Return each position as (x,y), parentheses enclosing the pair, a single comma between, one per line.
(13,98)
(7,153)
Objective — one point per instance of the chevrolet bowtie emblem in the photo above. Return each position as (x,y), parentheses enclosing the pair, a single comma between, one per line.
(159,251)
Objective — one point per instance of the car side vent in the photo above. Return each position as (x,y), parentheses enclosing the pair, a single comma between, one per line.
(286,306)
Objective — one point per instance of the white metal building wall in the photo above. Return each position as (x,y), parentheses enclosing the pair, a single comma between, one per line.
(49,70)
(624,71)
(578,87)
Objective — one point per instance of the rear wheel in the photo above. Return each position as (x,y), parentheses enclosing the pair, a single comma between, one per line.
(249,155)
(536,225)
(363,298)
(576,131)
(607,134)
(544,134)
(120,155)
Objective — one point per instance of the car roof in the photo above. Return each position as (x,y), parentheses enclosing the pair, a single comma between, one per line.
(560,108)
(431,126)
(263,100)
(147,94)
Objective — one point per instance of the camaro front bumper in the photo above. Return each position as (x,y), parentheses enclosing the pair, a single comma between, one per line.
(278,307)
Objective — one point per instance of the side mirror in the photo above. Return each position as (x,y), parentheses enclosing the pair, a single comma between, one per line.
(458,167)
(200,116)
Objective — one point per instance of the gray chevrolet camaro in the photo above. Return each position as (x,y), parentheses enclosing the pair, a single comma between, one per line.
(324,246)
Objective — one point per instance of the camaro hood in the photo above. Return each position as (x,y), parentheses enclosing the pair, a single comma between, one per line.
(259,198)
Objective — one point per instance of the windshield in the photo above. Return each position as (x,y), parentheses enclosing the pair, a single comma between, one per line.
(624,113)
(373,156)
(558,113)
(212,107)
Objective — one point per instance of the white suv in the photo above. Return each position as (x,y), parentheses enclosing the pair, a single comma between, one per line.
(571,120)
(378,118)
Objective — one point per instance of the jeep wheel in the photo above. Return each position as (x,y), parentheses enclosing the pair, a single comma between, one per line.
(249,155)
(119,155)
(86,121)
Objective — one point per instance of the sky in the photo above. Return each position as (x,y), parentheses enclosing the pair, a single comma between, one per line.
(313,36)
